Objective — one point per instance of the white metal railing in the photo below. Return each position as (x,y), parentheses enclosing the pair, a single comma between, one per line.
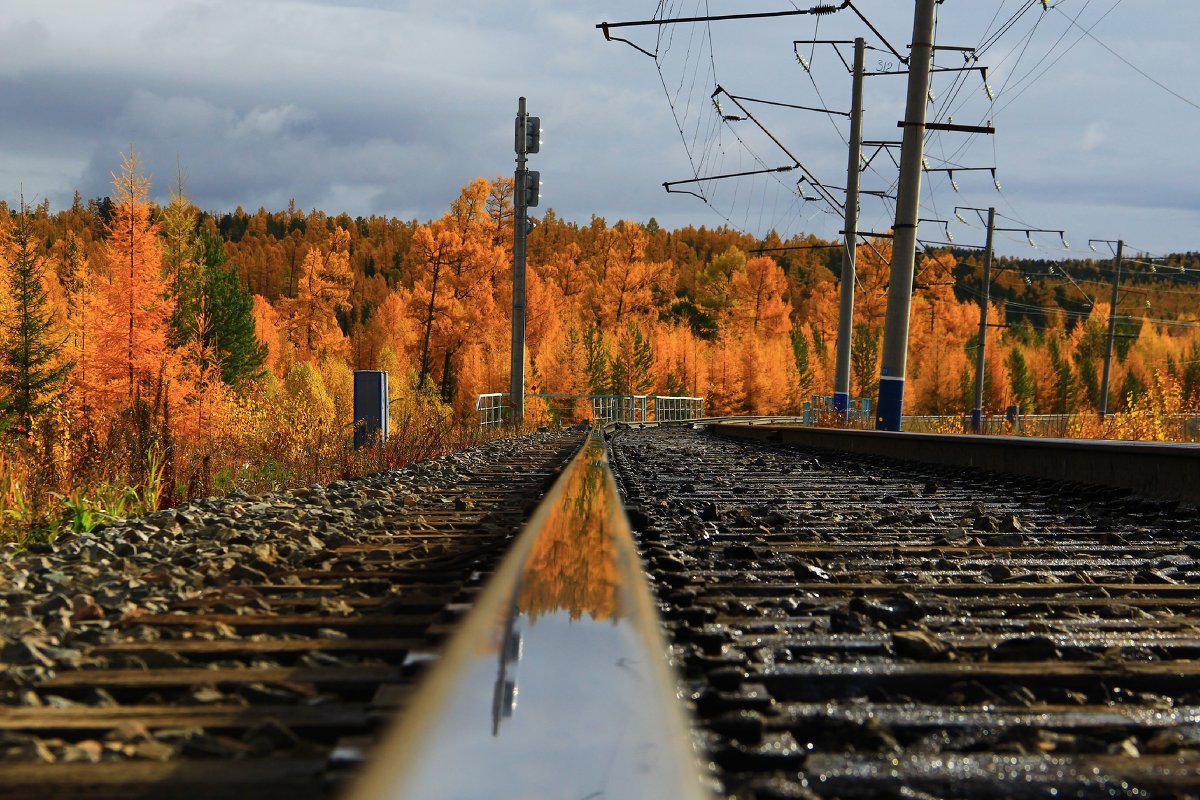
(668,408)
(492,408)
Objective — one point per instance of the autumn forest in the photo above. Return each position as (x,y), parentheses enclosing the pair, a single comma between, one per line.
(154,352)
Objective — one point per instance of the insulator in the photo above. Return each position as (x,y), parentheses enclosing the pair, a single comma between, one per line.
(949,235)
(960,217)
(988,91)
(802,62)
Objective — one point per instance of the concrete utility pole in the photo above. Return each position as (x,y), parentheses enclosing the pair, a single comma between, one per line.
(908,201)
(977,410)
(841,380)
(516,388)
(1112,330)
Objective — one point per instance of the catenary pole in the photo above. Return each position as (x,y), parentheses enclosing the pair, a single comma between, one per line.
(1112,330)
(841,380)
(516,389)
(984,299)
(904,242)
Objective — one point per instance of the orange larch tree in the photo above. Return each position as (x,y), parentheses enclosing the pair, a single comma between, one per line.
(322,290)
(624,280)
(131,355)
(758,290)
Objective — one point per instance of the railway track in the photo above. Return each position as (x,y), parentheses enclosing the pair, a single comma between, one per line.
(843,626)
(850,626)
(248,646)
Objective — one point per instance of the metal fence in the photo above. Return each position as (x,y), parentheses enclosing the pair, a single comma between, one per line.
(571,409)
(820,411)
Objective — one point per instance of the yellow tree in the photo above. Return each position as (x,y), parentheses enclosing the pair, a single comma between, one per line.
(759,307)
(454,294)
(623,279)
(134,305)
(323,289)
(940,328)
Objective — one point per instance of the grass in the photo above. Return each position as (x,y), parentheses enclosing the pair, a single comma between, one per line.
(84,485)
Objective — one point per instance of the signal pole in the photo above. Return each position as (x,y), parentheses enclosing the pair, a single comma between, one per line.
(977,410)
(841,380)
(1112,330)
(904,243)
(525,194)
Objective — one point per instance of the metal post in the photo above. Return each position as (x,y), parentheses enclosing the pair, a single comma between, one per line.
(977,410)
(1112,330)
(904,244)
(841,380)
(516,390)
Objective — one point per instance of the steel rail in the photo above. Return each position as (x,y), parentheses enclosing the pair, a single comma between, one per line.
(557,683)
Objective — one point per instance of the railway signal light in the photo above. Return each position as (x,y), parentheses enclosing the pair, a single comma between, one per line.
(529,134)
(530,183)
(533,134)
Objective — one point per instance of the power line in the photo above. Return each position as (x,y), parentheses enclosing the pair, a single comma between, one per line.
(1088,32)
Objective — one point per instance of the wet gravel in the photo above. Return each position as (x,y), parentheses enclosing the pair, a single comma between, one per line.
(853,627)
(201,586)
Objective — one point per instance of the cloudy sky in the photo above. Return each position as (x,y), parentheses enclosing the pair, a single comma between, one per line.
(388,107)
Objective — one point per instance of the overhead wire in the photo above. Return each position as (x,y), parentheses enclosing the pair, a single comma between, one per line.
(707,147)
(1088,32)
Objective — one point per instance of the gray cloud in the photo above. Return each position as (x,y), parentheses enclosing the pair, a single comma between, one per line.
(389,107)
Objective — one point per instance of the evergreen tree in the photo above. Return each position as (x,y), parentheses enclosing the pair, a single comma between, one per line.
(229,333)
(631,368)
(595,354)
(1190,378)
(864,359)
(1089,380)
(1021,381)
(1066,386)
(1132,389)
(803,362)
(29,365)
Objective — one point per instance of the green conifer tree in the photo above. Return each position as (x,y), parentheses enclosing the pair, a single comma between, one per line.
(800,353)
(30,368)
(1066,385)
(1021,382)
(229,333)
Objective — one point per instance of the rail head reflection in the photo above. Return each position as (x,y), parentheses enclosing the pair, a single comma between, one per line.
(557,685)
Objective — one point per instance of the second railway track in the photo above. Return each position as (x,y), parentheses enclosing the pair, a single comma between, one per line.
(848,626)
